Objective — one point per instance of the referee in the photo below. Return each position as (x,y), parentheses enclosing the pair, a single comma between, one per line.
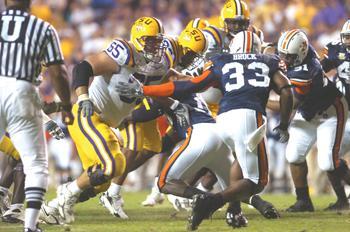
(27,42)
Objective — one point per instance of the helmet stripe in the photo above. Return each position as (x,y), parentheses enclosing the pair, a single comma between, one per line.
(238,7)
(249,41)
(160,26)
(195,23)
(348,22)
(287,37)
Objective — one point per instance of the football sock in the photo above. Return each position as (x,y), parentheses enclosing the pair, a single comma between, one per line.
(74,188)
(234,207)
(31,218)
(303,193)
(114,189)
(340,192)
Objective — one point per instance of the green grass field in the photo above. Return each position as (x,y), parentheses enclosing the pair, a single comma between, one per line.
(90,216)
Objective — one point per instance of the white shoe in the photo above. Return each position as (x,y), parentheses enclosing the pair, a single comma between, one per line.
(114,204)
(49,215)
(180,203)
(14,214)
(66,201)
(153,199)
(5,201)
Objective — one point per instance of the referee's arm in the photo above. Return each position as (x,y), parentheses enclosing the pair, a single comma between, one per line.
(54,62)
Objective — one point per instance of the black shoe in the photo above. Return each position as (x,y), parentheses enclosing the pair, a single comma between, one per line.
(200,210)
(236,220)
(301,206)
(265,208)
(338,206)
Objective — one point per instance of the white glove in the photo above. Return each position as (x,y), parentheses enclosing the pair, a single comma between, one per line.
(54,130)
(283,134)
(130,89)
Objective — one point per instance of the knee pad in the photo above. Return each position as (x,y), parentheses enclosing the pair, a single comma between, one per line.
(295,159)
(87,194)
(96,175)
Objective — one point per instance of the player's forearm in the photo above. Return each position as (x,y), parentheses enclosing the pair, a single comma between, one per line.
(164,90)
(286,106)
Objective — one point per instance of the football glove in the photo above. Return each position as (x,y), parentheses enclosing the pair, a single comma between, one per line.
(283,133)
(86,107)
(130,89)
(182,114)
(54,130)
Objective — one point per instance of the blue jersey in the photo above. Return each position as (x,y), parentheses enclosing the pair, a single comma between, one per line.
(315,92)
(336,56)
(199,113)
(244,80)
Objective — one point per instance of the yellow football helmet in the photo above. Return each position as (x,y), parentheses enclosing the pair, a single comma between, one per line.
(147,34)
(234,16)
(197,23)
(193,45)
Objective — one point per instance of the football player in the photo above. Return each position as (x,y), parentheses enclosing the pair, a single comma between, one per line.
(100,107)
(337,56)
(320,117)
(254,74)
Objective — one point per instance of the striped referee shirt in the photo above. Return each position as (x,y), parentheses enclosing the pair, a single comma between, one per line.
(26,43)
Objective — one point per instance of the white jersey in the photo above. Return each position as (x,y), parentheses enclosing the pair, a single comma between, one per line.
(109,104)
(126,56)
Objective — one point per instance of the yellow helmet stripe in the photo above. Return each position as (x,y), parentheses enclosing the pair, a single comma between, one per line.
(288,37)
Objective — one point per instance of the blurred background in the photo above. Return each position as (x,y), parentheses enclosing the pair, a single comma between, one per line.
(86,26)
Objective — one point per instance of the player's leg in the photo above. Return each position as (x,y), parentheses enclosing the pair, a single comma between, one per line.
(132,134)
(195,152)
(330,134)
(101,156)
(6,181)
(16,211)
(252,163)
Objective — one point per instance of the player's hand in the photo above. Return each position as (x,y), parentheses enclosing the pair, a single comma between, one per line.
(86,107)
(54,130)
(130,89)
(283,133)
(67,116)
(182,114)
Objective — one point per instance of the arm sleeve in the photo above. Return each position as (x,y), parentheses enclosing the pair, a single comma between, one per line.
(327,62)
(53,53)
(179,88)
(143,115)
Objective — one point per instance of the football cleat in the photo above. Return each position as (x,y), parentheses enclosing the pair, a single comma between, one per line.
(201,209)
(236,220)
(180,203)
(66,201)
(153,199)
(338,206)
(114,205)
(301,206)
(15,214)
(49,215)
(265,208)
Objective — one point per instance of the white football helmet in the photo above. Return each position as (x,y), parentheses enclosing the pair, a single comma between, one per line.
(345,34)
(245,42)
(293,46)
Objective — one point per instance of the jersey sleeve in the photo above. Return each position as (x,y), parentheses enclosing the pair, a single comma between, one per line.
(275,64)
(121,52)
(53,52)
(181,88)
(171,51)
(328,57)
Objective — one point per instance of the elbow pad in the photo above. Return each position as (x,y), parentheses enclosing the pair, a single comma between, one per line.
(81,74)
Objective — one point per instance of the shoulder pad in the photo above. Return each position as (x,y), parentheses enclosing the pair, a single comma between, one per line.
(172,50)
(121,52)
